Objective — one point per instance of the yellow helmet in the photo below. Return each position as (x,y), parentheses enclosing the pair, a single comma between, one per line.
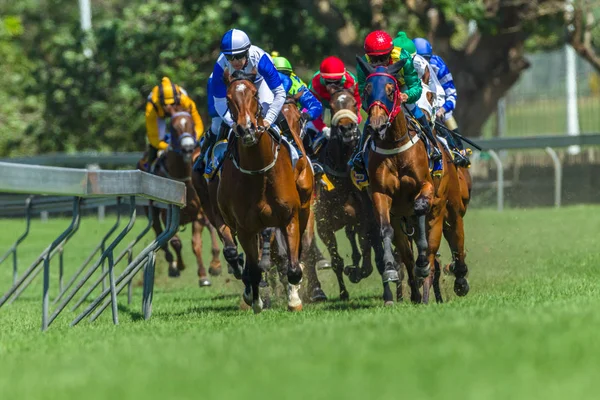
(168,92)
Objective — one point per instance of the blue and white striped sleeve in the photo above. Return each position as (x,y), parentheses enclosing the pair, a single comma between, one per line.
(447,82)
(268,71)
(219,91)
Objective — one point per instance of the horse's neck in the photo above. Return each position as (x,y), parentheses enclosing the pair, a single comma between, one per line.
(176,166)
(399,126)
(258,156)
(336,155)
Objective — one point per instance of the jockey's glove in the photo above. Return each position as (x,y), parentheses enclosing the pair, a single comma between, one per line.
(327,132)
(304,117)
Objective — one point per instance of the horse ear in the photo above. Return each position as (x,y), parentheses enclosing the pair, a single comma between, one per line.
(396,67)
(365,66)
(226,77)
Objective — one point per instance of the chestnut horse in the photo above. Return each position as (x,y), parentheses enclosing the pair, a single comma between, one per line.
(401,184)
(459,196)
(176,164)
(343,205)
(258,186)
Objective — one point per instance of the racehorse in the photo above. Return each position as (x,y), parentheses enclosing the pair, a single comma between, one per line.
(401,184)
(340,204)
(258,189)
(458,198)
(176,164)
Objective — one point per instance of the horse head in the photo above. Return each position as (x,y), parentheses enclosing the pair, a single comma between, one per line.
(183,134)
(344,120)
(242,99)
(381,96)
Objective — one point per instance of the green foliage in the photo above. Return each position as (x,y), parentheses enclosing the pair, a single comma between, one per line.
(54,98)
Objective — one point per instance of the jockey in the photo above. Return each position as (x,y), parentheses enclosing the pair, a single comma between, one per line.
(445,77)
(332,73)
(382,51)
(310,107)
(159,107)
(238,54)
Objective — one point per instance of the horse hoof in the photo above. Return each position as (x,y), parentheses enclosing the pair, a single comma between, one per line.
(390,275)
(318,295)
(257,306)
(204,282)
(344,296)
(461,287)
(323,264)
(388,303)
(174,272)
(263,283)
(354,274)
(216,271)
(267,303)
(294,302)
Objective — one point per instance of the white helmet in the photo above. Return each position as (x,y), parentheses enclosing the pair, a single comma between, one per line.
(235,41)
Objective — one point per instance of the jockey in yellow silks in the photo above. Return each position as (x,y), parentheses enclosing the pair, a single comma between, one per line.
(159,107)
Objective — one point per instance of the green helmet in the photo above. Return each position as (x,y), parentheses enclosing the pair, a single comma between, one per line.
(402,41)
(281,63)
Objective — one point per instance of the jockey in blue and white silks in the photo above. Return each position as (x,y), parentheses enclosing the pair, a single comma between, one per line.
(238,54)
(445,78)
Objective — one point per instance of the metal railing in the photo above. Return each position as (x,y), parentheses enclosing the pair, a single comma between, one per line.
(86,187)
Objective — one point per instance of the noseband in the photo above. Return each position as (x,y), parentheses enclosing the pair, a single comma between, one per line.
(175,145)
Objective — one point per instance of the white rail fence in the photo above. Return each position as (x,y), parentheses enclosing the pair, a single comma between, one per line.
(89,188)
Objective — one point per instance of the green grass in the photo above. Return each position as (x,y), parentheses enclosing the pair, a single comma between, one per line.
(528,329)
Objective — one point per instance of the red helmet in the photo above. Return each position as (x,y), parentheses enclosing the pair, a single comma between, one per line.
(378,43)
(332,68)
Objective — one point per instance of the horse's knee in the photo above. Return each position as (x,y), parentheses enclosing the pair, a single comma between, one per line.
(422,205)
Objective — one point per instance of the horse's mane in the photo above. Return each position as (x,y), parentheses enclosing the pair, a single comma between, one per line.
(241,75)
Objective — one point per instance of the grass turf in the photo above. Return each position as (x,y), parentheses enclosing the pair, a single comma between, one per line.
(528,328)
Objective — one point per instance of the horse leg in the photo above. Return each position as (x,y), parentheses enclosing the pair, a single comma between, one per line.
(252,273)
(292,290)
(434,240)
(158,229)
(387,268)
(292,237)
(197,228)
(404,249)
(455,235)
(327,235)
(309,257)
(353,271)
(421,208)
(215,264)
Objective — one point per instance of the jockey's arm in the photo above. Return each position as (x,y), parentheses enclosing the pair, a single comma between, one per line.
(447,82)
(313,107)
(269,73)
(411,79)
(219,91)
(198,124)
(152,128)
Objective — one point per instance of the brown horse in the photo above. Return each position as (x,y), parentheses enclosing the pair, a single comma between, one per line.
(258,186)
(176,163)
(458,197)
(401,183)
(343,205)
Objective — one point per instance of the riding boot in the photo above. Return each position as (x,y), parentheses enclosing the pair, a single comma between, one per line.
(152,154)
(461,158)
(434,152)
(209,139)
